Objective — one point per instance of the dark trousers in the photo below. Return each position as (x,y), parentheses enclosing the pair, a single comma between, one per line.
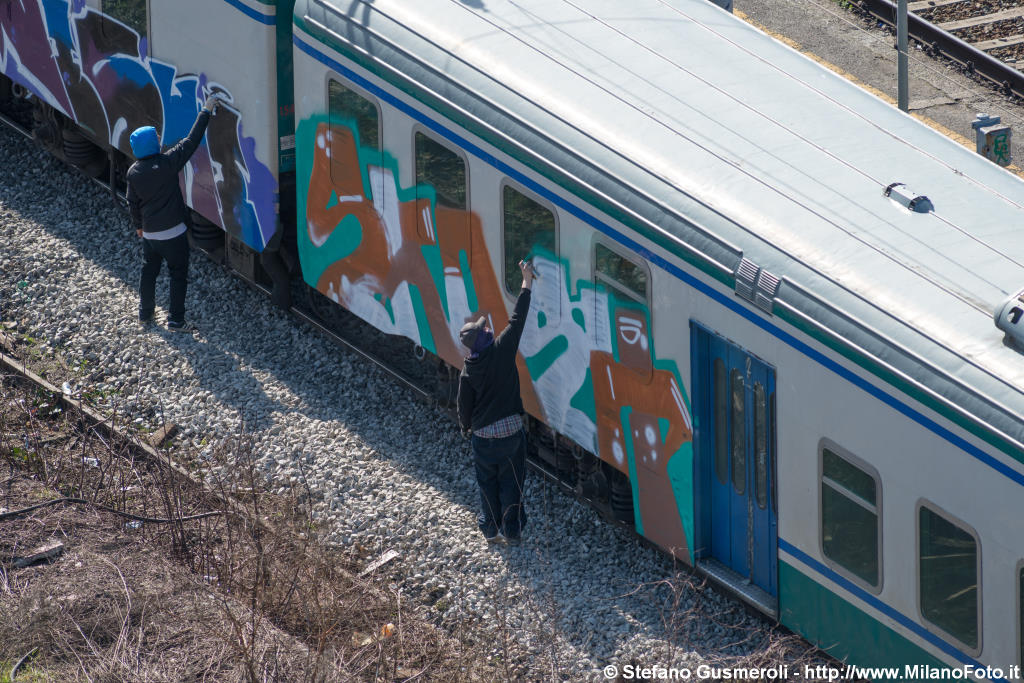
(154,253)
(501,473)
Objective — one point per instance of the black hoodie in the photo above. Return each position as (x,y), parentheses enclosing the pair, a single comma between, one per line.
(154,196)
(489,383)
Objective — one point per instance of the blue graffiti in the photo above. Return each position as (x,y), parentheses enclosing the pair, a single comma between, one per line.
(97,71)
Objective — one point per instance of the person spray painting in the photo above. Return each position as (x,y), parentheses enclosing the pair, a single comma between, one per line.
(159,214)
(490,408)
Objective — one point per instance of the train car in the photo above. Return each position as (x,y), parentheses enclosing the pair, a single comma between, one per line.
(763,332)
(763,329)
(93,71)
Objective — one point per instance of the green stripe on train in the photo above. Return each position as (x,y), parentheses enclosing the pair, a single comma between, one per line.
(285,85)
(841,629)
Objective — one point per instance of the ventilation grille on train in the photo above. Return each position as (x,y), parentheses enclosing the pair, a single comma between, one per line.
(755,284)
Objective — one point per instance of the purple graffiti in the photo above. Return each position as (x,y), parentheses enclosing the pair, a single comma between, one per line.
(97,71)
(26,56)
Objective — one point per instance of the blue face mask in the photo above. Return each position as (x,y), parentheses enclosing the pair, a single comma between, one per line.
(145,142)
(483,340)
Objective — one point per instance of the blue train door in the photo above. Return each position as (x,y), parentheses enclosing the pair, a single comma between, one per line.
(735,433)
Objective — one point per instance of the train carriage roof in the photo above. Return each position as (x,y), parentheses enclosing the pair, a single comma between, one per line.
(706,134)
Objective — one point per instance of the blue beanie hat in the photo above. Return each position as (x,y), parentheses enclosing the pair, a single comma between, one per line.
(145,142)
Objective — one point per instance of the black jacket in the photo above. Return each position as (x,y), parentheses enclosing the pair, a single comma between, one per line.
(154,196)
(489,383)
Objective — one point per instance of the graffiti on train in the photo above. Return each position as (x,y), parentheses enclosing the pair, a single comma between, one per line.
(409,266)
(97,71)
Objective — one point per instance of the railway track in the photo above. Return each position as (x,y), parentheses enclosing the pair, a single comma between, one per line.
(985,37)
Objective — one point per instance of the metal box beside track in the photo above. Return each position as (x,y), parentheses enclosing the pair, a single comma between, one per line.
(241,258)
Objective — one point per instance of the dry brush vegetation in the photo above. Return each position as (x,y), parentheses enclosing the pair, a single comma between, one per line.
(164,580)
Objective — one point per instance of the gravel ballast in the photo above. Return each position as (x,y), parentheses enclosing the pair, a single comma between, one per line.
(385,470)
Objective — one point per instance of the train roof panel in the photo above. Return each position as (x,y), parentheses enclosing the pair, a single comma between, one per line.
(772,153)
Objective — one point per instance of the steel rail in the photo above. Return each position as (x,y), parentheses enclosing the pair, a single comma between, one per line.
(1009,79)
(18,367)
(397,375)
(338,338)
(15,126)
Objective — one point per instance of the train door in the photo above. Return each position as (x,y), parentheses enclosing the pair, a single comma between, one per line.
(735,411)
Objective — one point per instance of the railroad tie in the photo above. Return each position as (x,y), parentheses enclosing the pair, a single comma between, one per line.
(1005,15)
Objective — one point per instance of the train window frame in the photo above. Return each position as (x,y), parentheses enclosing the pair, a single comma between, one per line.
(425,132)
(623,291)
(348,85)
(761,427)
(508,182)
(924,503)
(609,281)
(149,23)
(870,470)
(738,432)
(721,397)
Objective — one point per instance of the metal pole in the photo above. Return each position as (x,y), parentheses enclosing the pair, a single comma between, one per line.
(903,96)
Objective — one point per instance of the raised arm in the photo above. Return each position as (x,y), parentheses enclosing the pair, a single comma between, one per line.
(510,336)
(180,153)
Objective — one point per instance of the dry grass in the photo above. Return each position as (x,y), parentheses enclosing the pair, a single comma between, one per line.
(249,594)
(690,606)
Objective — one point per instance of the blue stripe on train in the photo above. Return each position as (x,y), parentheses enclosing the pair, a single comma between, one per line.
(269,19)
(671,268)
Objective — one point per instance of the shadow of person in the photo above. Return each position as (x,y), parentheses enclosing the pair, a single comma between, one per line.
(222,375)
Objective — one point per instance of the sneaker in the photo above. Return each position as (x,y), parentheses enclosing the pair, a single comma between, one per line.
(185,326)
(146,322)
(513,541)
(496,539)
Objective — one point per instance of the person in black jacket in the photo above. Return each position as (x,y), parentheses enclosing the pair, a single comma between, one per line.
(159,213)
(490,408)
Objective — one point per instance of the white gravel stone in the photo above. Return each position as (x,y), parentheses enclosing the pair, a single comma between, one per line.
(385,470)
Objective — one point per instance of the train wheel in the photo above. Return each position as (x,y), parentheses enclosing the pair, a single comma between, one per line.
(208,236)
(332,315)
(621,497)
(83,153)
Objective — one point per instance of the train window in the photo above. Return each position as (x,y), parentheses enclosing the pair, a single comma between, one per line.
(739,439)
(443,170)
(760,446)
(721,423)
(350,108)
(131,13)
(529,229)
(850,523)
(621,272)
(948,561)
